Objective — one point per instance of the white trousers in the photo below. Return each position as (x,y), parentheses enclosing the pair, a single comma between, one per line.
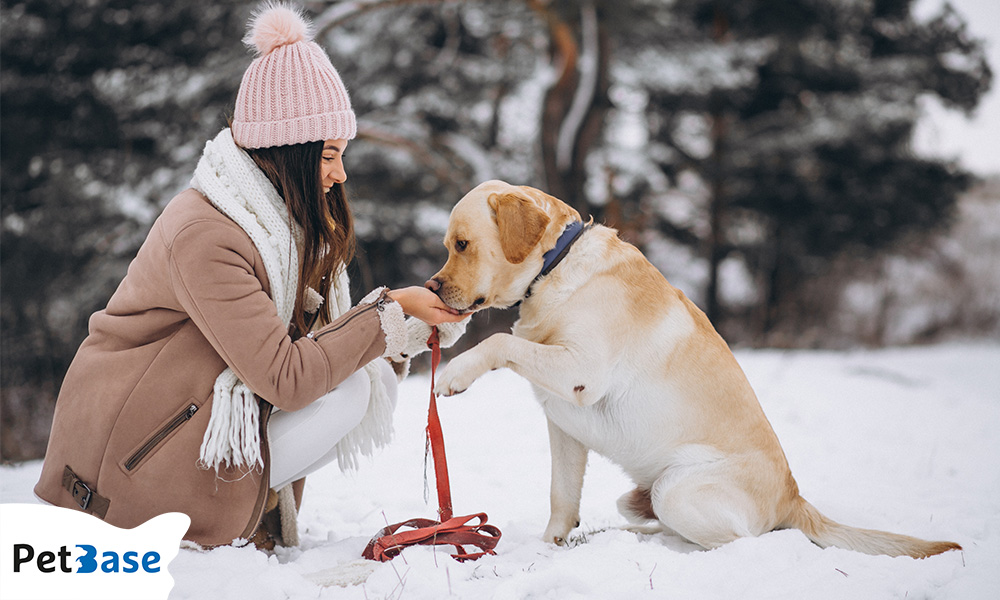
(305,440)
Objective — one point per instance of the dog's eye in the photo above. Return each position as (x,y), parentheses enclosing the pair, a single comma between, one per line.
(461,245)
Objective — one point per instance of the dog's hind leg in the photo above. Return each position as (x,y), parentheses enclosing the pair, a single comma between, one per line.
(705,505)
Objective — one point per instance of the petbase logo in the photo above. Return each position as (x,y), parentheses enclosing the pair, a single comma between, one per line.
(50,552)
(111,561)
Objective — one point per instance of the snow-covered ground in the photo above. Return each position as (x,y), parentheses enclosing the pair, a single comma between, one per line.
(906,440)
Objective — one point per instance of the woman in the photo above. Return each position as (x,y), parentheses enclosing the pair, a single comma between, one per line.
(229,361)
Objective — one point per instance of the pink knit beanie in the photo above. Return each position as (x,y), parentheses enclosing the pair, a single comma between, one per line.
(290,93)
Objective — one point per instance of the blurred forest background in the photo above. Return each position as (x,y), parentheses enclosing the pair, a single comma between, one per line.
(758,152)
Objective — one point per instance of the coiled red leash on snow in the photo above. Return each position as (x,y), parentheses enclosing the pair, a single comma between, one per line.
(450,530)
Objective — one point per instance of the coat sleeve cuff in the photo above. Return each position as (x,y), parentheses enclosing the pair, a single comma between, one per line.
(391,318)
(417,333)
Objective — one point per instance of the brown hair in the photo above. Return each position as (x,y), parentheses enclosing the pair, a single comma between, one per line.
(326,221)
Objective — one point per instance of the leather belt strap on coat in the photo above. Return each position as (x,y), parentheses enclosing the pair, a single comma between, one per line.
(453,531)
(86,498)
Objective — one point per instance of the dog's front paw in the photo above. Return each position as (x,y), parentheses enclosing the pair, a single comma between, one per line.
(459,373)
(558,530)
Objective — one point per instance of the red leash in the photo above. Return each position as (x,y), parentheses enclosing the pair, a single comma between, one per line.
(454,531)
(435,435)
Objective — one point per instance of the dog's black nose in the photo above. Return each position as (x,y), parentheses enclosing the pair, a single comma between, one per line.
(432,284)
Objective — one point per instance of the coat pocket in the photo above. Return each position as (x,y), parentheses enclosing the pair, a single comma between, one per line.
(137,456)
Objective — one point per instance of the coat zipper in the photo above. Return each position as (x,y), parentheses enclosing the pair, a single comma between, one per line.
(379,304)
(164,431)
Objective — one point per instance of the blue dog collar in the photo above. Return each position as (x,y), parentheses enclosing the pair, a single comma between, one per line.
(554,256)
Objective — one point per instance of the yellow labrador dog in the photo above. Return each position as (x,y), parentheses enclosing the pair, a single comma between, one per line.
(625,365)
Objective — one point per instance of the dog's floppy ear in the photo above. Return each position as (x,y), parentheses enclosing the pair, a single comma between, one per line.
(521,223)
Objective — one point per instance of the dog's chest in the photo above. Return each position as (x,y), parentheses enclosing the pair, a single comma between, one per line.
(609,426)
(591,425)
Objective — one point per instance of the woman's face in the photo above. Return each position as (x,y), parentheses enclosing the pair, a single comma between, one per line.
(332,164)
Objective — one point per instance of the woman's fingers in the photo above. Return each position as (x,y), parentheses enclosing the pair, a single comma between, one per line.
(425,305)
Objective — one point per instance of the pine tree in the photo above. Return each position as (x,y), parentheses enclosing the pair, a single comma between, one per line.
(794,120)
(105,108)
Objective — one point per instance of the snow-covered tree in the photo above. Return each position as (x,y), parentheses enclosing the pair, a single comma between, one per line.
(106,106)
(781,133)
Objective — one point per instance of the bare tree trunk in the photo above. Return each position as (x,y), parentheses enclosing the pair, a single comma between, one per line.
(555,104)
(716,218)
(593,123)
(574,106)
(717,247)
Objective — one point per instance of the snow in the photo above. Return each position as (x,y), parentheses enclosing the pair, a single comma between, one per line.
(901,439)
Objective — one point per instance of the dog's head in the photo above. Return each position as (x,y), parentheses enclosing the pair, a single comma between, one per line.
(496,236)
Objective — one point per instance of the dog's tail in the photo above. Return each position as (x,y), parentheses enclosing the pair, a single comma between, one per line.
(824,532)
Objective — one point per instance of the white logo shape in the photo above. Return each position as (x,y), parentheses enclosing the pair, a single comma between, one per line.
(51,552)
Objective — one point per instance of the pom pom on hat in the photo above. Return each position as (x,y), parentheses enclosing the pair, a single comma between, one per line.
(291,93)
(274,25)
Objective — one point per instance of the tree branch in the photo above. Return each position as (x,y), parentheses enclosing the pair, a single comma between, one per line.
(341,12)
(437,165)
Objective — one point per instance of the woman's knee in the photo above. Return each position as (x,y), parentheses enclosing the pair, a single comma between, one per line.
(348,402)
(342,408)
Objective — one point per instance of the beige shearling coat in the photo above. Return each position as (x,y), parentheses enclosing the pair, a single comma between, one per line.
(136,400)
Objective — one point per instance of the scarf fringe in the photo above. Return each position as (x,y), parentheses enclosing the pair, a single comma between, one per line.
(375,429)
(233,435)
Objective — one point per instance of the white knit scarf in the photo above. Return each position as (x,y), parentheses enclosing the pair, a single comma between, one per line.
(234,184)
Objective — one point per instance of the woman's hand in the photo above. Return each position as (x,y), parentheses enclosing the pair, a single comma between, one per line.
(425,305)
